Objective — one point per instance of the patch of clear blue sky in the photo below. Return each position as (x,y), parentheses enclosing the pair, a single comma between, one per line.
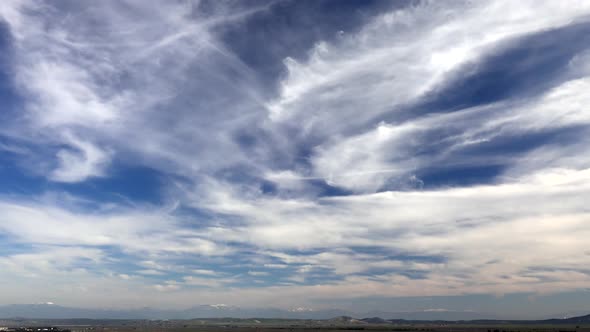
(124,184)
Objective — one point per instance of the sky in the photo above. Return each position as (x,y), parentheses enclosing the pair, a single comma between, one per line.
(346,154)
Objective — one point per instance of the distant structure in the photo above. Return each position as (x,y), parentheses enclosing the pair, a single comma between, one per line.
(34,329)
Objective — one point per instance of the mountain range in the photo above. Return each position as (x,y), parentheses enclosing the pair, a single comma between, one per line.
(54,311)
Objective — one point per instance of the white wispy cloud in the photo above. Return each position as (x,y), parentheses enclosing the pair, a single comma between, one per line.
(110,86)
(85,161)
(149,231)
(392,63)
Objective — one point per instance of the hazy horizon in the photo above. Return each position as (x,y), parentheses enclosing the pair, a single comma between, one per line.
(361,155)
(396,309)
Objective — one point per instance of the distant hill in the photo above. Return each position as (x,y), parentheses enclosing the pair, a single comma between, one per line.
(431,314)
(374,320)
(571,320)
(554,321)
(345,320)
(53,311)
(331,316)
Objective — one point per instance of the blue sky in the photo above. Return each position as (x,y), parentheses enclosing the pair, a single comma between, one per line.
(351,154)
